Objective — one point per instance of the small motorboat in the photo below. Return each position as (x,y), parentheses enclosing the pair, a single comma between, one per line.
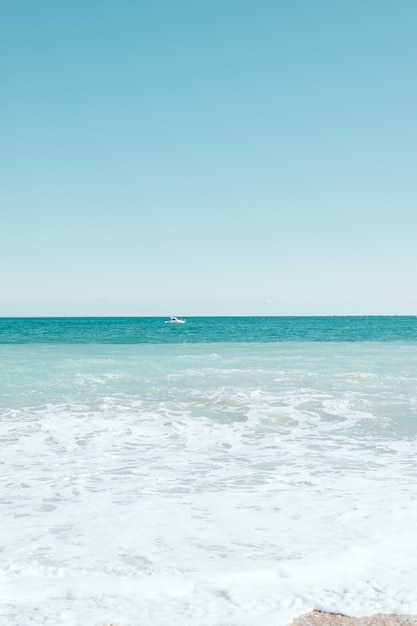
(175,320)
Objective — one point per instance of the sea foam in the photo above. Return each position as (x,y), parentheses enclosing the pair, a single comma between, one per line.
(156,484)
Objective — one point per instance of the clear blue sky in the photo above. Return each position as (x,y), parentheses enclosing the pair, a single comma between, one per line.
(208,157)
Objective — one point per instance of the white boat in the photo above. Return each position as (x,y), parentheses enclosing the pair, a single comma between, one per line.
(175,320)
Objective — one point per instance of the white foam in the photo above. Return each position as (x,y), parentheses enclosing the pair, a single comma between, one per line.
(206,496)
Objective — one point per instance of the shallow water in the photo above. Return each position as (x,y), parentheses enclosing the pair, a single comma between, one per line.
(209,483)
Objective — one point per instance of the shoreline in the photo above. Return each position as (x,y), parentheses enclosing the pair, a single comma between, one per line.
(321,618)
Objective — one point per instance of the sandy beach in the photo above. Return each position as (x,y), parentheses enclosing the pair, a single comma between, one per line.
(318,618)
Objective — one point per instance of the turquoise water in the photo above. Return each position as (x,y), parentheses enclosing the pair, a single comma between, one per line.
(207,329)
(222,471)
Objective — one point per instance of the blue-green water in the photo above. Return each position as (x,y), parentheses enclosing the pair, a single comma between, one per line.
(227,468)
(131,330)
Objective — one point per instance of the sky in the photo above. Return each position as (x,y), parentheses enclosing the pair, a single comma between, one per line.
(222,157)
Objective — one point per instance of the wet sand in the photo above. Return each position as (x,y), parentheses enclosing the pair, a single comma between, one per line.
(317,618)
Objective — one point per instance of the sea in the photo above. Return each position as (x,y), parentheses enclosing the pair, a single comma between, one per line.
(229,471)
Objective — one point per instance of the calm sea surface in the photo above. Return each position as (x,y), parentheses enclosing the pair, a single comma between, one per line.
(225,471)
(153,330)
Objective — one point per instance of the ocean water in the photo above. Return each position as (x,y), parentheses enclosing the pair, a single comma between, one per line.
(222,472)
